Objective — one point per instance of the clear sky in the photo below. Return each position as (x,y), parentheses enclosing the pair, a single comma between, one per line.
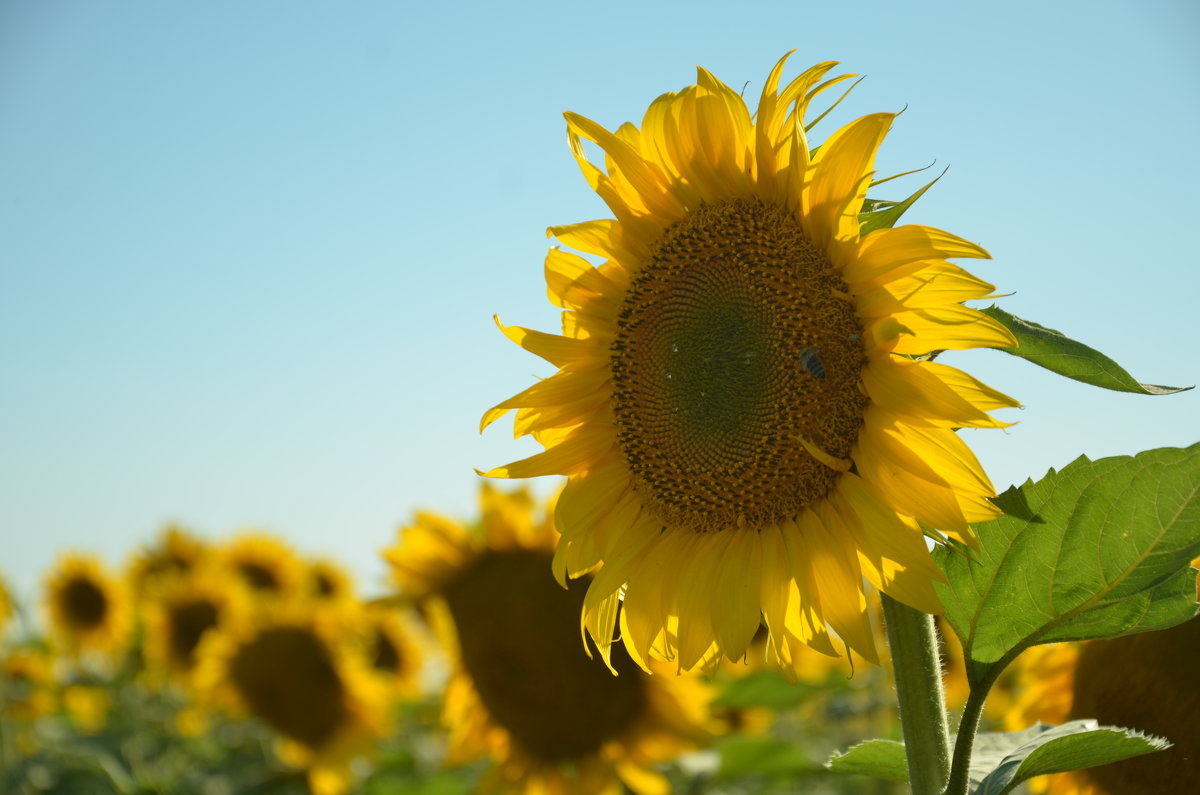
(250,252)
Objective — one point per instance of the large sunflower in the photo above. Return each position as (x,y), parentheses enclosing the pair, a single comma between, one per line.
(744,405)
(296,668)
(1145,682)
(88,609)
(522,690)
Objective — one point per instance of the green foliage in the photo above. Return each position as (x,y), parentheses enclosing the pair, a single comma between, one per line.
(1098,550)
(763,756)
(876,758)
(1060,354)
(765,689)
(1003,761)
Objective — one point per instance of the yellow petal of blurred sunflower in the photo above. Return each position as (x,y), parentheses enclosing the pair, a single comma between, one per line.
(1145,682)
(328,581)
(295,668)
(736,407)
(88,609)
(522,691)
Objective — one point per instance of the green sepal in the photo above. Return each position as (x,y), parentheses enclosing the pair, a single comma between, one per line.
(1060,354)
(879,214)
(1001,762)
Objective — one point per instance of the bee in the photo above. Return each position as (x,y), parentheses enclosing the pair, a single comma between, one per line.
(812,362)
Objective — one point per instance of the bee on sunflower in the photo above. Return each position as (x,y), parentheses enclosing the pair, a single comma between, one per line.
(522,691)
(746,404)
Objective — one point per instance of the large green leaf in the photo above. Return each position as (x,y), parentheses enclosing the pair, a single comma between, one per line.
(1097,550)
(876,758)
(1060,354)
(1002,761)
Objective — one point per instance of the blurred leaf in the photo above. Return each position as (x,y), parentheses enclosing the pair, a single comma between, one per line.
(762,756)
(764,689)
(1002,761)
(876,758)
(1098,550)
(1060,354)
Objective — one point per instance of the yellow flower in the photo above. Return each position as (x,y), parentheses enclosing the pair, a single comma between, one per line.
(6,608)
(88,609)
(265,564)
(294,668)
(744,405)
(27,684)
(1145,682)
(522,690)
(180,611)
(391,647)
(176,551)
(328,581)
(87,706)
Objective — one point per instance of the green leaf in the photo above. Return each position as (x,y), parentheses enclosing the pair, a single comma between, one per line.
(764,689)
(1003,761)
(876,758)
(762,756)
(1060,354)
(884,215)
(1098,550)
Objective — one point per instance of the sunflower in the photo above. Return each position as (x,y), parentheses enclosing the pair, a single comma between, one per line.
(88,609)
(7,608)
(180,611)
(1145,682)
(294,668)
(27,683)
(176,551)
(746,405)
(390,645)
(522,690)
(264,563)
(328,581)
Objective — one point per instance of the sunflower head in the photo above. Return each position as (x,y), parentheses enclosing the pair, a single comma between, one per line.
(176,551)
(328,581)
(88,609)
(181,610)
(392,647)
(745,406)
(265,564)
(7,608)
(523,691)
(27,684)
(295,668)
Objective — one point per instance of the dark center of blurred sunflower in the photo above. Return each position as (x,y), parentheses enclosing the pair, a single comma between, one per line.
(326,587)
(84,603)
(188,622)
(1146,682)
(519,638)
(258,576)
(287,677)
(737,355)
(385,656)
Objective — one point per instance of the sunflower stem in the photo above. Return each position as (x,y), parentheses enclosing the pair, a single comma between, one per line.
(918,673)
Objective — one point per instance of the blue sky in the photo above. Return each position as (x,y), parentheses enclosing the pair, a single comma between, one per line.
(250,252)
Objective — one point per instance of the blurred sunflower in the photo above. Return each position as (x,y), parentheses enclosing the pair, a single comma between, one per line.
(522,690)
(265,564)
(175,551)
(7,608)
(293,668)
(87,608)
(1145,682)
(390,645)
(746,405)
(328,581)
(27,676)
(180,611)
